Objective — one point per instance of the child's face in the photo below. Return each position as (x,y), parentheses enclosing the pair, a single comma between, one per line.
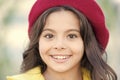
(60,44)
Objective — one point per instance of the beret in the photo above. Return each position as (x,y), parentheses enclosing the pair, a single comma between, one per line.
(89,8)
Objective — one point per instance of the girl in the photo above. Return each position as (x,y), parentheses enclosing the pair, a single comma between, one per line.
(67,41)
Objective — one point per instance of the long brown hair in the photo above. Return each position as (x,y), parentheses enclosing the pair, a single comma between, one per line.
(92,59)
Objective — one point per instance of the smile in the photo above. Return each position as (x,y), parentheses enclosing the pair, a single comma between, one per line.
(60,58)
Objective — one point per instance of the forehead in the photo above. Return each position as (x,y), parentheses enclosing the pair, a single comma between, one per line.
(62,19)
(63,14)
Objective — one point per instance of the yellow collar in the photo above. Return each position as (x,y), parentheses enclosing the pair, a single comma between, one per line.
(35,74)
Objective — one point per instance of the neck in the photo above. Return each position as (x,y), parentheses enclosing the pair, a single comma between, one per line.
(74,74)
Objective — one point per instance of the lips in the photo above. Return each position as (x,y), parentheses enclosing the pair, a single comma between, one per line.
(60,58)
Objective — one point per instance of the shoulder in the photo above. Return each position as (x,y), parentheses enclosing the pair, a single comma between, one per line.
(33,74)
(86,74)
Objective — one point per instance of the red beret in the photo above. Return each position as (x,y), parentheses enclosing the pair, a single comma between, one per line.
(88,7)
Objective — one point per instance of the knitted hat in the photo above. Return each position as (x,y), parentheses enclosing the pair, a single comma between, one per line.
(88,7)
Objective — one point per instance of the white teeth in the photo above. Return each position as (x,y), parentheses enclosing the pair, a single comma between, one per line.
(60,57)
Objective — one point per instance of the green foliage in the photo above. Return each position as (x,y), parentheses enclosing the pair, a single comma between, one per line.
(7,19)
(5,61)
(109,12)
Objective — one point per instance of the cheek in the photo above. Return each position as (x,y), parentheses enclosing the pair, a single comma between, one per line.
(78,47)
(78,50)
(43,50)
(43,47)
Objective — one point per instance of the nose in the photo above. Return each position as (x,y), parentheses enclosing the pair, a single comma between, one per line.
(59,45)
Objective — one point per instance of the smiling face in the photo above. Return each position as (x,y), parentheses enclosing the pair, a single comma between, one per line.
(60,44)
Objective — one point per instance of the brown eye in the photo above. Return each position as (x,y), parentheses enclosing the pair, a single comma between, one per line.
(72,36)
(49,36)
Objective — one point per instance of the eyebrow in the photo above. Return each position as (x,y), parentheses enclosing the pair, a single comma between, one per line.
(76,30)
(47,29)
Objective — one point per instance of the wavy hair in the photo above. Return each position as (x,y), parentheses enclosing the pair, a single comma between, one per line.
(92,58)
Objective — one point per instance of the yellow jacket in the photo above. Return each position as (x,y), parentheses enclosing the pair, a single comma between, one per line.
(35,74)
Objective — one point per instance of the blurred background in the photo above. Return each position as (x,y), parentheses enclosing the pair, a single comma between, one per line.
(14,37)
